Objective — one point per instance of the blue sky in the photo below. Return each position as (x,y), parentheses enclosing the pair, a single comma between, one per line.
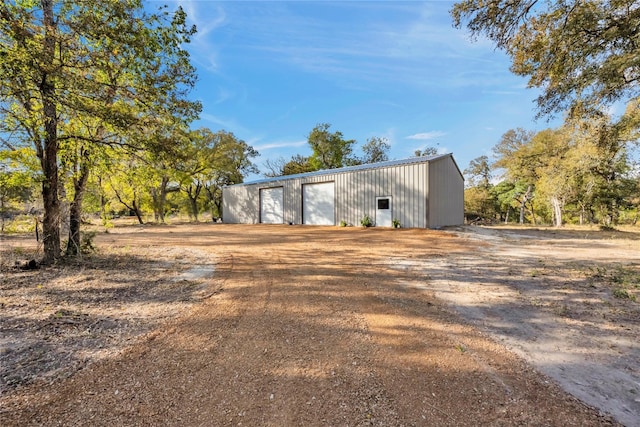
(270,71)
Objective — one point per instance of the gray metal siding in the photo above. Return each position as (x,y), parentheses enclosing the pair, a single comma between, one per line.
(240,205)
(446,194)
(356,193)
(424,192)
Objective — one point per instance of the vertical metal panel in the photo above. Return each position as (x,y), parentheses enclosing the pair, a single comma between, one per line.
(424,194)
(241,205)
(446,193)
(291,189)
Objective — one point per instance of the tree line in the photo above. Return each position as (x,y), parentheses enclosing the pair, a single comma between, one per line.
(95,107)
(583,56)
(330,150)
(586,171)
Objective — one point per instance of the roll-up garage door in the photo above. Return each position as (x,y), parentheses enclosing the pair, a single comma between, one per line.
(272,205)
(318,204)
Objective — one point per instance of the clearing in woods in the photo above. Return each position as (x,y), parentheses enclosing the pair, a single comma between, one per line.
(214,324)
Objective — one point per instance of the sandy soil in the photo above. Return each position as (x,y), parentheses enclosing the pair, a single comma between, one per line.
(550,296)
(216,324)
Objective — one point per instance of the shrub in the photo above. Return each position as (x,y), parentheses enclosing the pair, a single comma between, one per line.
(86,243)
(607,228)
(623,294)
(395,223)
(343,223)
(366,221)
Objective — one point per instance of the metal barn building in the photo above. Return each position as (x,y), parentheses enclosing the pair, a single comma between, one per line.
(422,192)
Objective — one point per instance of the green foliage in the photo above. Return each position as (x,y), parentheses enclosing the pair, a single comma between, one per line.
(17,179)
(623,294)
(576,51)
(209,162)
(366,221)
(426,152)
(577,173)
(298,164)
(343,223)
(330,149)
(395,223)
(20,224)
(480,203)
(478,173)
(76,78)
(86,245)
(375,150)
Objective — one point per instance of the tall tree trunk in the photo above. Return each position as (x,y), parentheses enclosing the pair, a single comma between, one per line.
(523,203)
(532,211)
(557,211)
(64,205)
(133,207)
(214,200)
(103,203)
(155,197)
(159,196)
(194,207)
(136,210)
(49,159)
(75,210)
(1,215)
(193,192)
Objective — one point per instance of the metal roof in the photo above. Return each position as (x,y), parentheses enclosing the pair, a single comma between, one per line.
(411,160)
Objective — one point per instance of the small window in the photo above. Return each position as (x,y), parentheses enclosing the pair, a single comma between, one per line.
(383,204)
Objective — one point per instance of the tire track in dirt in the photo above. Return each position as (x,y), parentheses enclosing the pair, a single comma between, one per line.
(311,327)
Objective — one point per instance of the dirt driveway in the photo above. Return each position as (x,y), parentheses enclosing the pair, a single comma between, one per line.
(291,325)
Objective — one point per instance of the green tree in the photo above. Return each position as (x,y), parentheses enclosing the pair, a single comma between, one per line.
(63,60)
(17,180)
(376,150)
(479,197)
(330,149)
(232,162)
(281,166)
(600,162)
(212,161)
(519,166)
(478,173)
(505,194)
(554,170)
(426,152)
(575,50)
(129,181)
(298,164)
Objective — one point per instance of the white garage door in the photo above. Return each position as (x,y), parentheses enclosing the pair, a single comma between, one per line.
(272,205)
(318,201)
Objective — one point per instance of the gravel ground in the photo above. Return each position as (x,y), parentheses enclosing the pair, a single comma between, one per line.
(212,324)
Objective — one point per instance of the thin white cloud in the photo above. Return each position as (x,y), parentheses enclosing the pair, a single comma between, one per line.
(205,20)
(207,17)
(412,45)
(425,136)
(276,145)
(230,125)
